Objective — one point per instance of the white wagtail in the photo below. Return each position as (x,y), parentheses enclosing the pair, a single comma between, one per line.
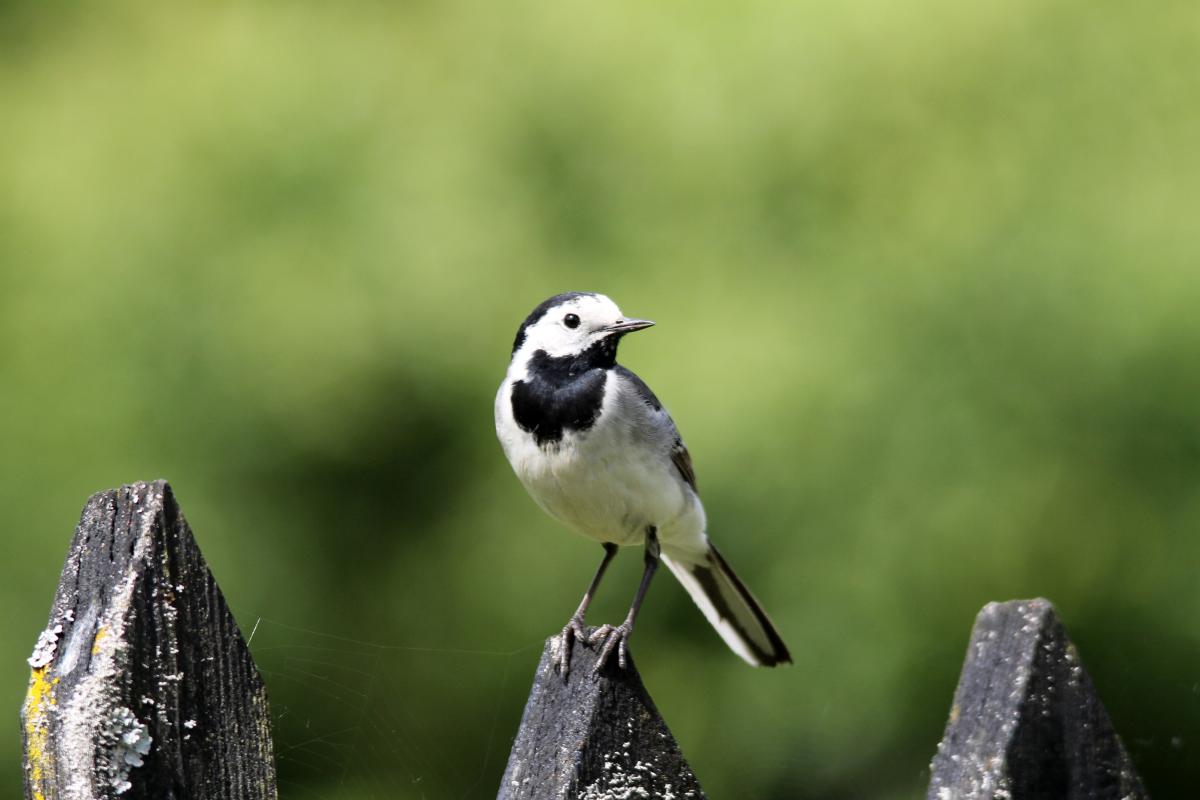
(596,450)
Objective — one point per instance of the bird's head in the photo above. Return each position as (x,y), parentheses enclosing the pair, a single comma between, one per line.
(574,323)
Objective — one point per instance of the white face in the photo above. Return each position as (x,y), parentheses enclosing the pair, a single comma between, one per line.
(572,326)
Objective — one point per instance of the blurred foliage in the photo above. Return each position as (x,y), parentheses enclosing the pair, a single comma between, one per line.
(926,277)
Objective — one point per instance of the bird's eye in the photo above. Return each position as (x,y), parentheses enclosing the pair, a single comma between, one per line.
(571,320)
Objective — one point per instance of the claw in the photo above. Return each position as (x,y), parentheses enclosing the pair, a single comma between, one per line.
(574,628)
(613,637)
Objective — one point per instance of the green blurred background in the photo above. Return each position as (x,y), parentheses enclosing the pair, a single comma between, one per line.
(926,277)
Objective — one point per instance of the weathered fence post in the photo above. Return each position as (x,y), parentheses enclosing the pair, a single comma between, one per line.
(593,737)
(141,684)
(1026,720)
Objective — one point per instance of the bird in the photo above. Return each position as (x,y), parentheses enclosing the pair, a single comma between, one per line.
(594,447)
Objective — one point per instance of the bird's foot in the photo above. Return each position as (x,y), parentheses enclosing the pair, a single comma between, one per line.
(573,629)
(614,637)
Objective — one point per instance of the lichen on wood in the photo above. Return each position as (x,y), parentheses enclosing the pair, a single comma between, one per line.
(139,643)
(596,736)
(1026,720)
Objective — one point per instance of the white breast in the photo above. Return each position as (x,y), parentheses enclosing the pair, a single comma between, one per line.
(609,482)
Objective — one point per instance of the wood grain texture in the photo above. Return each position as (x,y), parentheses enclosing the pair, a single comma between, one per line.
(1026,721)
(594,737)
(142,686)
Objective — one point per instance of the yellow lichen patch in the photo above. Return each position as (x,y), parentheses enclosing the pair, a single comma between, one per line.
(38,701)
(101,632)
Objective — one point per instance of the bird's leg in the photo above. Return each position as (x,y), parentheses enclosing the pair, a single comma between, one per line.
(575,627)
(616,637)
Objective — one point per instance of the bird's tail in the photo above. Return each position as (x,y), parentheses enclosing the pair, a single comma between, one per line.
(731,609)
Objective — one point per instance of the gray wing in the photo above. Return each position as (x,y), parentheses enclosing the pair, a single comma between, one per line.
(663,427)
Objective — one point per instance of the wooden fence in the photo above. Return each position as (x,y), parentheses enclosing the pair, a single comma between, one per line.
(142,687)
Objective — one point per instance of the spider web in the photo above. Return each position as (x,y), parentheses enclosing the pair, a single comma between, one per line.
(346,727)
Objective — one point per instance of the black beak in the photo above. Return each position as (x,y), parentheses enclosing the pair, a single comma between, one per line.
(628,325)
